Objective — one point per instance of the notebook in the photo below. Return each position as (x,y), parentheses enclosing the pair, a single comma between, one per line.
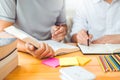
(76,73)
(59,48)
(100,48)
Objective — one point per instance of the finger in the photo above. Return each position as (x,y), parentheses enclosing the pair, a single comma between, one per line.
(90,36)
(60,30)
(51,53)
(81,39)
(30,48)
(47,51)
(40,50)
(84,34)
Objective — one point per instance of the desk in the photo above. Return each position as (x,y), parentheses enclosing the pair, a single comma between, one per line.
(30,68)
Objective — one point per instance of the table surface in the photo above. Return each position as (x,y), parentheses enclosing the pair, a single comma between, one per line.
(30,68)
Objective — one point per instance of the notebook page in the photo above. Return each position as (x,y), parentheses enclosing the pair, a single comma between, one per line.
(97,48)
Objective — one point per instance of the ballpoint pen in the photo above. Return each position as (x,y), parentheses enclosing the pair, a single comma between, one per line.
(87,39)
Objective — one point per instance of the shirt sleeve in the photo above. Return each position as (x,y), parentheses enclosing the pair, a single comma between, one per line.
(80,19)
(7,10)
(62,17)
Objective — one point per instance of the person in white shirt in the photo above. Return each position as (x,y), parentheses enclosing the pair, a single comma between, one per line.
(101,18)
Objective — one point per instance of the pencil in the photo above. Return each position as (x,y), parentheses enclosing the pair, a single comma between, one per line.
(116,59)
(103,61)
(109,69)
(115,68)
(112,68)
(101,64)
(115,63)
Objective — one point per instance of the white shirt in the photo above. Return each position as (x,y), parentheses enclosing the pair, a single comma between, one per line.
(97,16)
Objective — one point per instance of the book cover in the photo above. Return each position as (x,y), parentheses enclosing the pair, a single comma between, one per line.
(7,45)
(8,64)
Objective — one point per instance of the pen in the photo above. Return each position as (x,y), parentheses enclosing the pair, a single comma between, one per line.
(87,39)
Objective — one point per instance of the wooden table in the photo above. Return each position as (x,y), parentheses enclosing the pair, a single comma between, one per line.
(30,68)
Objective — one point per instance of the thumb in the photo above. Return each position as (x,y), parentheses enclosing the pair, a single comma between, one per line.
(30,47)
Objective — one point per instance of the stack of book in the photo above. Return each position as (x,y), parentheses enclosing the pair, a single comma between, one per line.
(8,56)
(110,62)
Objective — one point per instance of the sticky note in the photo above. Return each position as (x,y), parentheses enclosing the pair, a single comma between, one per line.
(68,61)
(83,60)
(53,62)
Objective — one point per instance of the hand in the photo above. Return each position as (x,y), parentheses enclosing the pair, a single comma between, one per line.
(58,32)
(43,52)
(109,39)
(82,37)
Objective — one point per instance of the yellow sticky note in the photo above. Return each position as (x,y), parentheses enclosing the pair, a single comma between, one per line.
(68,61)
(83,60)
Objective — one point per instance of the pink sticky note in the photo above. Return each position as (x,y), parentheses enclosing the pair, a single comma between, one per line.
(53,62)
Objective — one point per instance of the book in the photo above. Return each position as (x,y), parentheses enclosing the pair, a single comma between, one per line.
(8,64)
(76,73)
(7,45)
(59,48)
(100,48)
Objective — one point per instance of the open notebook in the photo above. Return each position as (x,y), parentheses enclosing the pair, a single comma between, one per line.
(100,48)
(59,48)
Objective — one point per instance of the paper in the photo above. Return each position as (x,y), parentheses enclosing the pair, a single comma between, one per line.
(76,73)
(61,48)
(83,60)
(99,48)
(68,61)
(53,62)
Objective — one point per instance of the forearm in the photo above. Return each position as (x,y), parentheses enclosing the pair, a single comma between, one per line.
(4,24)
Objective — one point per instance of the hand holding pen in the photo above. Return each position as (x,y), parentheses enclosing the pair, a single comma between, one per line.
(83,37)
(58,32)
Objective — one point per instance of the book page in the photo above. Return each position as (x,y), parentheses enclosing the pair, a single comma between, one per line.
(61,48)
(99,48)
(58,45)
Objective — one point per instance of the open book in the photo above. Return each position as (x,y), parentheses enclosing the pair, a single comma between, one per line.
(59,48)
(100,48)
